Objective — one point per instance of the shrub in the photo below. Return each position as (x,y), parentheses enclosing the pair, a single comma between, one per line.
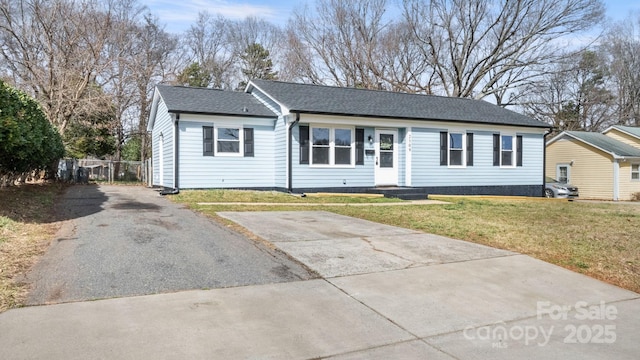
(28,142)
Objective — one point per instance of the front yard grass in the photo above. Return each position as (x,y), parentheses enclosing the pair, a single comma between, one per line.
(600,240)
(26,227)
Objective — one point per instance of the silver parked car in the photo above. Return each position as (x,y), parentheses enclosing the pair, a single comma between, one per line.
(556,189)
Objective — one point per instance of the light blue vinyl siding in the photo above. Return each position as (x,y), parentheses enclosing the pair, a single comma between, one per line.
(198,171)
(426,169)
(305,176)
(163,125)
(280,152)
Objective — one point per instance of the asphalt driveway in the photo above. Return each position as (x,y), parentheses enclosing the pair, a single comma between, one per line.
(123,241)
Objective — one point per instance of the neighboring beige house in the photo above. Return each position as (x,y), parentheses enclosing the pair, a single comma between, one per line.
(627,134)
(605,167)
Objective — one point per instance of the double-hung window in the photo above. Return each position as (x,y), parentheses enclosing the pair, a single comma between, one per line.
(343,142)
(507,150)
(635,171)
(332,146)
(227,141)
(320,146)
(456,149)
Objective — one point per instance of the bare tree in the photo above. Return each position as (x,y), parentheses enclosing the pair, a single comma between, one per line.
(402,64)
(575,96)
(151,62)
(488,47)
(216,45)
(56,50)
(623,46)
(208,41)
(338,44)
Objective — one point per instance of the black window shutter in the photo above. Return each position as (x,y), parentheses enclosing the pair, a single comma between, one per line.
(359,146)
(519,150)
(207,140)
(248,142)
(304,144)
(496,149)
(469,149)
(443,148)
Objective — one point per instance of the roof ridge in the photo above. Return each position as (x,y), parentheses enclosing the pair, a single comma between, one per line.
(196,88)
(376,90)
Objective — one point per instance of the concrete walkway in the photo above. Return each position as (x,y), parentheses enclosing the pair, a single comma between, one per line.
(388,293)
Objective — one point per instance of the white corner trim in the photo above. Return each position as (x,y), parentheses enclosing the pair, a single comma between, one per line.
(408,158)
(616,180)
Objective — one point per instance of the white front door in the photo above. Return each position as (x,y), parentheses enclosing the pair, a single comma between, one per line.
(386,157)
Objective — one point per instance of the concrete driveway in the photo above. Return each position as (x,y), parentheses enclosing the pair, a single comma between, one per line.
(388,293)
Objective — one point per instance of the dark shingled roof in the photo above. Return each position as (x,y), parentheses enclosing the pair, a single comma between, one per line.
(606,143)
(181,99)
(318,99)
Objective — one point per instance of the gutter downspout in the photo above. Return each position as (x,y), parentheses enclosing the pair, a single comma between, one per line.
(177,155)
(544,161)
(290,153)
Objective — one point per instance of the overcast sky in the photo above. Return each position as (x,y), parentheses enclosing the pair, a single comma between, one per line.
(179,15)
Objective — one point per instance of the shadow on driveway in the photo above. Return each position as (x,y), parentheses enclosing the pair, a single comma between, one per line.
(127,240)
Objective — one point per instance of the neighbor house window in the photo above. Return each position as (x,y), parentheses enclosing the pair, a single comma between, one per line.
(635,171)
(453,149)
(563,173)
(332,146)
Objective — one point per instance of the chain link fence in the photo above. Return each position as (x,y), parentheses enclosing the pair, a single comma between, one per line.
(85,170)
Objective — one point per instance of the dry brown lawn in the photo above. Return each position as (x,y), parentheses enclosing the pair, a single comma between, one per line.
(26,227)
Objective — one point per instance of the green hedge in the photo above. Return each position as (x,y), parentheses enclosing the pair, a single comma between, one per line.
(28,142)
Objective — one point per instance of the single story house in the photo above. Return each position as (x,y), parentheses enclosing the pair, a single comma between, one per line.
(311,138)
(600,165)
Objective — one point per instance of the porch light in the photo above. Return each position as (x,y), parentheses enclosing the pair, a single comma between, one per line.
(370,139)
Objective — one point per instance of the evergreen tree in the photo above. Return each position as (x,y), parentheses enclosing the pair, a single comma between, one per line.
(194,75)
(256,65)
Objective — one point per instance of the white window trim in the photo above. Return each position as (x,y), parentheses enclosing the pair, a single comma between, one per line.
(464,149)
(637,172)
(514,150)
(332,146)
(240,138)
(568,166)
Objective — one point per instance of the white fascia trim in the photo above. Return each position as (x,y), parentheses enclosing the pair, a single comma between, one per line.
(616,180)
(251,85)
(154,109)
